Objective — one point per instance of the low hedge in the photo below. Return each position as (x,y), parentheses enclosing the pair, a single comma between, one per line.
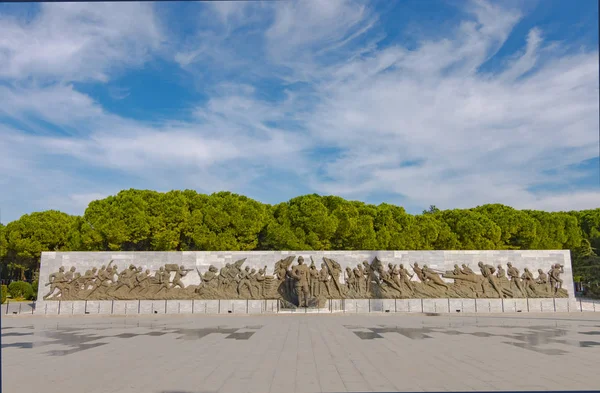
(20,290)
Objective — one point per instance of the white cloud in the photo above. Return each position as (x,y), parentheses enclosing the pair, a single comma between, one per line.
(77,41)
(473,137)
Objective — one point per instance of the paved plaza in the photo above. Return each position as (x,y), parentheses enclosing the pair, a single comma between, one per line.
(300,353)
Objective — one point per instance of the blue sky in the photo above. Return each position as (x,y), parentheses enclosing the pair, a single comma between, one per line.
(452,103)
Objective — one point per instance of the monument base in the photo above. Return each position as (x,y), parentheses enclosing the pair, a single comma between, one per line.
(348,306)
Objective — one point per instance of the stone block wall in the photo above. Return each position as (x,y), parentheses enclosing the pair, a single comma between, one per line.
(201,260)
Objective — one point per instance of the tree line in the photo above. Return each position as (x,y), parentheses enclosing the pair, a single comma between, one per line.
(144,220)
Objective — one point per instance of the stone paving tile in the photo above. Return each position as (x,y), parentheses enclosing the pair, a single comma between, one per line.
(301,353)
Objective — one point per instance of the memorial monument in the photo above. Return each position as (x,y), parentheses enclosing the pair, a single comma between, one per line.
(305,279)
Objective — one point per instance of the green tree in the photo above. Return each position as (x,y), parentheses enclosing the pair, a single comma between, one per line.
(226,221)
(475,231)
(34,233)
(308,219)
(555,231)
(355,224)
(396,230)
(517,228)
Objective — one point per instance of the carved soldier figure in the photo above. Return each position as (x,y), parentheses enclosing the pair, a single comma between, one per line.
(419,272)
(324,280)
(210,279)
(76,284)
(433,277)
(89,278)
(554,275)
(487,271)
(179,274)
(69,280)
(383,274)
(162,278)
(142,280)
(467,270)
(335,270)
(301,276)
(457,271)
(514,275)
(391,270)
(405,279)
(105,276)
(542,277)
(501,273)
(99,275)
(126,278)
(314,280)
(224,276)
(112,271)
(363,279)
(350,279)
(259,279)
(56,281)
(383,278)
(396,276)
(253,282)
(528,280)
(244,277)
(369,276)
(236,273)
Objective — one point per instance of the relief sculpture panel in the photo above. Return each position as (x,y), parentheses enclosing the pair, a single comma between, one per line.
(296,282)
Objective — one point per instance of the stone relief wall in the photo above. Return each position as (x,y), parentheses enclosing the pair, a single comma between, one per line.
(305,278)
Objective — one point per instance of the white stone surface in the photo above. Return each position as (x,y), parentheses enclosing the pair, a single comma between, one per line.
(547,305)
(132,307)
(105,307)
(435,305)
(256,306)
(428,305)
(468,305)
(146,307)
(521,305)
(185,306)
(561,305)
(415,305)
(376,305)
(118,307)
(350,306)
(361,305)
(588,305)
(482,306)
(335,305)
(91,307)
(179,306)
(456,305)
(239,306)
(389,305)
(271,306)
(535,305)
(401,305)
(159,307)
(51,308)
(496,305)
(212,306)
(441,306)
(66,308)
(225,306)
(79,307)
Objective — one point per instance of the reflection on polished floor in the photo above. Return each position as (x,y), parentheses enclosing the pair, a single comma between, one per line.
(302,353)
